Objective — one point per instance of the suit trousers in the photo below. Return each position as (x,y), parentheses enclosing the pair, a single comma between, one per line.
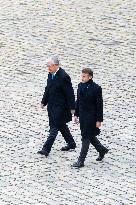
(85,147)
(53,134)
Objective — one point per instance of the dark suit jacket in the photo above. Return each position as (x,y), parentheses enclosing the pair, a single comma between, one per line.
(89,108)
(59,98)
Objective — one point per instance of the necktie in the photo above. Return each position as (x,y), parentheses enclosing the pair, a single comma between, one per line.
(52,76)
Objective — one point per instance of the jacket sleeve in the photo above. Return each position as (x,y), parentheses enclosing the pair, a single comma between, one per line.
(45,97)
(68,92)
(77,104)
(99,104)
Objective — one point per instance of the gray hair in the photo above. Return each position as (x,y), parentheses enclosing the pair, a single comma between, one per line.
(53,60)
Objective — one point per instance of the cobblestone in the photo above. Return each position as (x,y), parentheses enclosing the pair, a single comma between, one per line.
(101,34)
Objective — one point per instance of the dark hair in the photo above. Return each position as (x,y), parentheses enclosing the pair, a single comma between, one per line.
(88,71)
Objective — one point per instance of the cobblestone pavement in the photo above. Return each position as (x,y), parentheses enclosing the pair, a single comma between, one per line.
(101,34)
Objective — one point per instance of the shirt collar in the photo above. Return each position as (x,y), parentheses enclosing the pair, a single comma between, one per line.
(56,71)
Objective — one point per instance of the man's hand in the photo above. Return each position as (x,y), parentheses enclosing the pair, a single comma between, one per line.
(98,124)
(42,105)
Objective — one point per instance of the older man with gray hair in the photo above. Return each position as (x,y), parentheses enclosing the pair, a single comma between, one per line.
(60,100)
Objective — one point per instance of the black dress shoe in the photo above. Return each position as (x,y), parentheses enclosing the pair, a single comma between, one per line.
(102,154)
(43,152)
(67,148)
(78,164)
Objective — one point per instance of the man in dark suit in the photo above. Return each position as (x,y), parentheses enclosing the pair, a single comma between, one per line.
(60,100)
(89,109)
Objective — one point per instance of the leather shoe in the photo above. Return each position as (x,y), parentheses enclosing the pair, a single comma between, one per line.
(102,154)
(43,152)
(78,164)
(67,148)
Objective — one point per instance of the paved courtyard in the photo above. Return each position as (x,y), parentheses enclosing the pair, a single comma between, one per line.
(100,34)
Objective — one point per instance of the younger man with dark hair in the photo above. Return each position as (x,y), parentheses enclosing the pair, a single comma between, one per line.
(89,109)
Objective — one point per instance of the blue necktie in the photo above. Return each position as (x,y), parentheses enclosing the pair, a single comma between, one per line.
(52,76)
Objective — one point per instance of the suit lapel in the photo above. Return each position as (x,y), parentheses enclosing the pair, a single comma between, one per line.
(52,84)
(56,77)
